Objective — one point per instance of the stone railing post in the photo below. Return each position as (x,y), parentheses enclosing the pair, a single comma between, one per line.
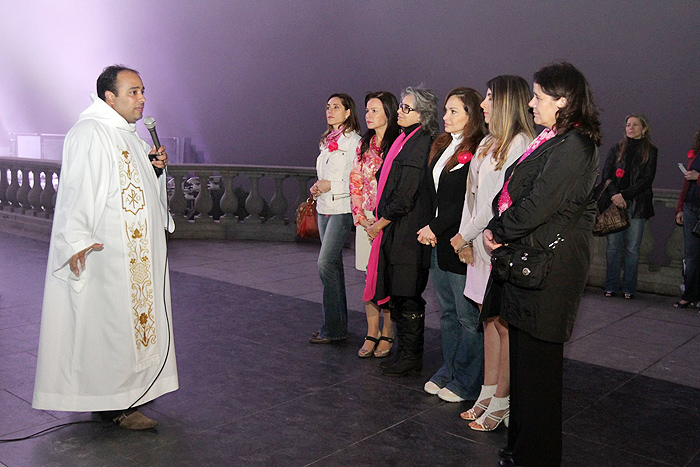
(278,203)
(11,192)
(3,186)
(303,189)
(254,203)
(229,200)
(203,202)
(23,191)
(177,201)
(48,195)
(34,195)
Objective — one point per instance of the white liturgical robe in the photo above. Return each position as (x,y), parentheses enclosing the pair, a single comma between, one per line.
(105,334)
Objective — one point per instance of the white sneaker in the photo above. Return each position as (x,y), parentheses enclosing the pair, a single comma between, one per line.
(448,396)
(431,388)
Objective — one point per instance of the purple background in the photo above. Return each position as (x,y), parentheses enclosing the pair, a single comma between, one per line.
(248,80)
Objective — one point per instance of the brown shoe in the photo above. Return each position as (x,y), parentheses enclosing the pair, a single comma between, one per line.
(135,421)
(319,340)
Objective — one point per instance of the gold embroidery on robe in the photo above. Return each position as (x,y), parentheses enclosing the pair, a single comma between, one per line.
(142,293)
(141,284)
(133,199)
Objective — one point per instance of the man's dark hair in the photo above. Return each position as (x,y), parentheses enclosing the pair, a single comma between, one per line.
(107,81)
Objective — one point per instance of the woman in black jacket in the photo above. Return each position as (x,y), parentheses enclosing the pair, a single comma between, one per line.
(630,167)
(403,207)
(546,202)
(460,376)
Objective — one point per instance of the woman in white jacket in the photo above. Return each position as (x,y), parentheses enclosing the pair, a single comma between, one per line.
(511,129)
(332,193)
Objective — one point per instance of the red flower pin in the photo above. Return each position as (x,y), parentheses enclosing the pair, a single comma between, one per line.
(465,157)
(333,146)
(619,173)
(691,154)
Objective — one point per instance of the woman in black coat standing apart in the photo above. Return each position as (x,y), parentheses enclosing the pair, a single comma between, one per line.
(631,168)
(547,197)
(403,207)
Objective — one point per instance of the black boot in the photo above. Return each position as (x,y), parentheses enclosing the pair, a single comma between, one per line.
(399,337)
(410,328)
(387,362)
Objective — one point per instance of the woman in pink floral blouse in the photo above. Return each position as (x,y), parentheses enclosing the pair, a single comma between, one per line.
(382,130)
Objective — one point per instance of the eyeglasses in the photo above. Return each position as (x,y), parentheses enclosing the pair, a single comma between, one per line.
(406,108)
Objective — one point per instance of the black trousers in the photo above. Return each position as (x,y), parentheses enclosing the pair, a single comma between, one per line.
(536,374)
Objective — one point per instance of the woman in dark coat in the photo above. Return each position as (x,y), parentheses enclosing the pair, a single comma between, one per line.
(403,207)
(630,167)
(547,196)
(462,372)
(688,215)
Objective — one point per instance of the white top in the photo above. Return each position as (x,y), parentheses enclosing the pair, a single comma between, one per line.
(442,161)
(485,183)
(445,156)
(92,342)
(335,166)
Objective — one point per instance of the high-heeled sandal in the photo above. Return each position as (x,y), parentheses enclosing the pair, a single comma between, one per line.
(383,353)
(678,304)
(368,353)
(487,392)
(498,404)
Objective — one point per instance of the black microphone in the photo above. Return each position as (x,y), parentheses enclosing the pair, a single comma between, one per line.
(150,123)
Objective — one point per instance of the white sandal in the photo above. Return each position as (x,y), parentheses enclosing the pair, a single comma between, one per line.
(487,392)
(498,404)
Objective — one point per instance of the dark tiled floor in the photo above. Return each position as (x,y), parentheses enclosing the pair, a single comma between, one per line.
(254,392)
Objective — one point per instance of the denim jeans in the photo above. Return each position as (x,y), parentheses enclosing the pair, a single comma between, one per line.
(632,239)
(333,230)
(691,262)
(462,344)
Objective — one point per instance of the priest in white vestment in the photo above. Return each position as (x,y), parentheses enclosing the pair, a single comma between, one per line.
(106,325)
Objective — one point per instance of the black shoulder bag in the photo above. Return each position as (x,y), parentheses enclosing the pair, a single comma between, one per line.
(527,266)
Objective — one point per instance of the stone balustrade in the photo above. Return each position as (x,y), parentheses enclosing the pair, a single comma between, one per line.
(255,202)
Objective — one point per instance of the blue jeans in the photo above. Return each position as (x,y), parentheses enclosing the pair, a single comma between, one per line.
(462,344)
(632,239)
(333,230)
(691,262)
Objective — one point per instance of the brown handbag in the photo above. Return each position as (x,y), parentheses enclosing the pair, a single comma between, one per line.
(307,219)
(612,219)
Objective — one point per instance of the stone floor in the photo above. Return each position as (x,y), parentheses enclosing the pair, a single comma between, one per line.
(254,392)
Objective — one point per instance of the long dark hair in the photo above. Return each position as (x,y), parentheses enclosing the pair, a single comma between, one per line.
(562,79)
(351,124)
(391,107)
(646,139)
(696,143)
(472,133)
(510,115)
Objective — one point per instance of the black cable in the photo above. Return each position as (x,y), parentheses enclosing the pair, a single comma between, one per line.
(167,349)
(49,429)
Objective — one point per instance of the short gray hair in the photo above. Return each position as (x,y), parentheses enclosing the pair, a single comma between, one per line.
(426,103)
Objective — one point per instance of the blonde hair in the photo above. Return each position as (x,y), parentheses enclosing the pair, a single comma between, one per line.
(510,115)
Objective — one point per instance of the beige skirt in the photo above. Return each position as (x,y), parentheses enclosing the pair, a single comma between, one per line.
(362,245)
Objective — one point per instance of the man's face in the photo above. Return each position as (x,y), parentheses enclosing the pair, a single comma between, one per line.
(129,100)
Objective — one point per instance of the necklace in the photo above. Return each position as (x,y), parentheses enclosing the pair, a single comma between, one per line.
(373,144)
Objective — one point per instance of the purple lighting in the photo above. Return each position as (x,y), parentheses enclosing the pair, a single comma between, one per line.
(247,81)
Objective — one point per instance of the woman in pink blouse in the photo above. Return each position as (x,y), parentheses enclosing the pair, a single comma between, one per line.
(382,130)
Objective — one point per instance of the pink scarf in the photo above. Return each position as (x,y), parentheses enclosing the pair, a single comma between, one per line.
(372,266)
(504,201)
(331,140)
